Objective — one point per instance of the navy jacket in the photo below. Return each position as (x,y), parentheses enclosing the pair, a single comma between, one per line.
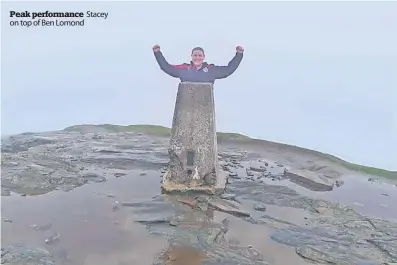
(208,73)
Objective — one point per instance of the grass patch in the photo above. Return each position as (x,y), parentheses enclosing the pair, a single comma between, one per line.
(110,128)
(166,132)
(143,128)
(368,170)
(232,136)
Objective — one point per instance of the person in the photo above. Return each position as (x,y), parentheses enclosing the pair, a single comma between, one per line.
(198,70)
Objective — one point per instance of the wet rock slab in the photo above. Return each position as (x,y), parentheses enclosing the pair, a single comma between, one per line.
(335,234)
(35,164)
(314,183)
(331,234)
(192,231)
(22,254)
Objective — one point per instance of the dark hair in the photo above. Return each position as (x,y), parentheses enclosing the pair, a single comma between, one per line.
(198,49)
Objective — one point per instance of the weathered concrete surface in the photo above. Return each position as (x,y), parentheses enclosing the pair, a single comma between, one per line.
(193,144)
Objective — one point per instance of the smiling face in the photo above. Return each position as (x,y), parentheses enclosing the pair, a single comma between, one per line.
(198,57)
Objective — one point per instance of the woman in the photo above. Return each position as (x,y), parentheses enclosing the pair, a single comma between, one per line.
(198,70)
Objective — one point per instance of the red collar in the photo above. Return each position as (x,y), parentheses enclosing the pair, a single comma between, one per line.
(204,64)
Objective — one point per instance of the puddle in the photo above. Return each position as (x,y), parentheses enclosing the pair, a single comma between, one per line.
(258,236)
(288,214)
(377,200)
(372,199)
(183,256)
(95,230)
(92,229)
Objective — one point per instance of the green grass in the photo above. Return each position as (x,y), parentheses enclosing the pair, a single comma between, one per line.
(143,128)
(139,128)
(369,170)
(166,132)
(232,136)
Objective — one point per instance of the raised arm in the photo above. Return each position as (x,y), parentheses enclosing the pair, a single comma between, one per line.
(225,71)
(164,65)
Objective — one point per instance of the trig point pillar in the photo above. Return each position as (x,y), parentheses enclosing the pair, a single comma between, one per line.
(193,144)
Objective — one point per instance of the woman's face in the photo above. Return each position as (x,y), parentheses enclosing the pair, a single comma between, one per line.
(198,57)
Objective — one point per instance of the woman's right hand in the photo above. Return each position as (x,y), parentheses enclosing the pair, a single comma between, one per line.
(156,48)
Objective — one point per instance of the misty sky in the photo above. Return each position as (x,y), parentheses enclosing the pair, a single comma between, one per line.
(321,75)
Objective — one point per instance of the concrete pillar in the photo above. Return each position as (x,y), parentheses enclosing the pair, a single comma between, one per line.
(193,144)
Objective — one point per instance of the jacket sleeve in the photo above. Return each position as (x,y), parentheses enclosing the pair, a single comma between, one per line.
(165,66)
(224,71)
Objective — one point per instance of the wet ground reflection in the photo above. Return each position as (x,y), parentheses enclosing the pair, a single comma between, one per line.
(368,198)
(126,220)
(258,236)
(92,228)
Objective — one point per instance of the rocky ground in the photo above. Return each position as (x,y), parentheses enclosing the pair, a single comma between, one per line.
(329,233)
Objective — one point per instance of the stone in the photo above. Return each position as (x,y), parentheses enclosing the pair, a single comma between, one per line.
(92,178)
(256,169)
(308,179)
(119,174)
(373,180)
(41,227)
(193,144)
(53,239)
(233,175)
(261,207)
(339,183)
(227,207)
(228,196)
(26,255)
